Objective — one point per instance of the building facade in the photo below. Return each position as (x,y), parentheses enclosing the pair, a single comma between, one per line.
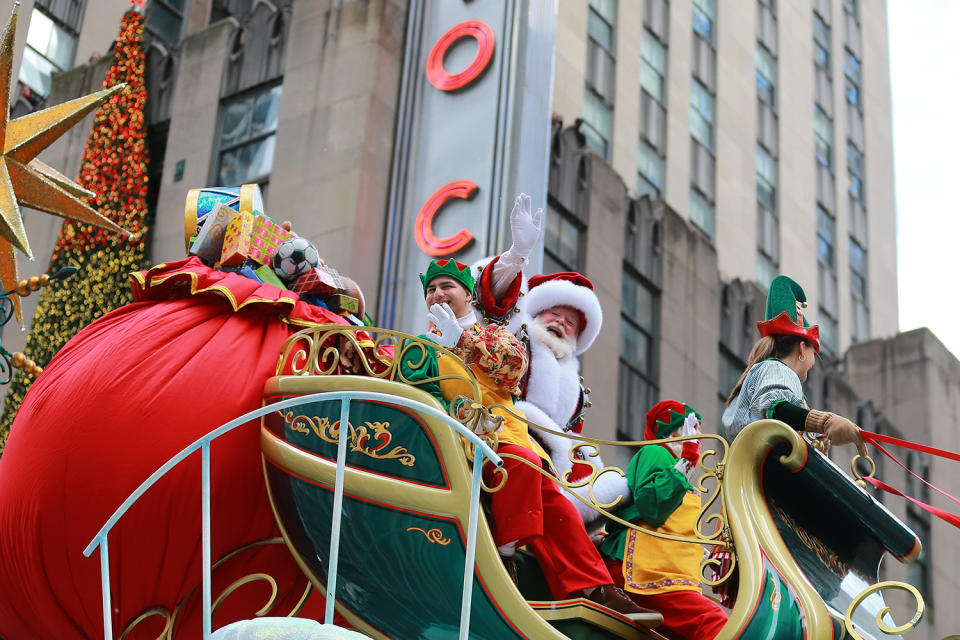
(698,148)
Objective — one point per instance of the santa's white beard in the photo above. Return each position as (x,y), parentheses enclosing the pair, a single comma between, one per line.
(561,347)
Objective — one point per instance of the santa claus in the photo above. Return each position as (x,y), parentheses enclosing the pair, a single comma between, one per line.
(559,316)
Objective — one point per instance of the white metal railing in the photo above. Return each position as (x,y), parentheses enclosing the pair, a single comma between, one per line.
(481,451)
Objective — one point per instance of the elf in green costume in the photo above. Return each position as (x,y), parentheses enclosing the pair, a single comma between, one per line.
(661,574)
(770,387)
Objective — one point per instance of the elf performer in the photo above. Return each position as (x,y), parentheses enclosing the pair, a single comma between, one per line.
(559,316)
(661,574)
(530,509)
(770,386)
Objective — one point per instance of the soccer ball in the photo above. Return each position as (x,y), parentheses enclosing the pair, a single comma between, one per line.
(295,257)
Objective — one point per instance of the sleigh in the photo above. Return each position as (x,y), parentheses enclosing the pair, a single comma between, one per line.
(807,540)
(385,518)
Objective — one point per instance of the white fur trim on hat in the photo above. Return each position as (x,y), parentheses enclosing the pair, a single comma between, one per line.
(554,293)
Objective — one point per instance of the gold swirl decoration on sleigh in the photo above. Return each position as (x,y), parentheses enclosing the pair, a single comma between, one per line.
(886,586)
(711,529)
(337,349)
(170,617)
(370,439)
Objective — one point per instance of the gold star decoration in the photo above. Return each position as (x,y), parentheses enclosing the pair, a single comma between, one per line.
(26,181)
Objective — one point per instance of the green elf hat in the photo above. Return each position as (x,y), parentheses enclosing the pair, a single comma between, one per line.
(784,301)
(665,417)
(452,268)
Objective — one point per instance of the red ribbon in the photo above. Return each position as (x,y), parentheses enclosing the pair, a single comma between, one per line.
(946,516)
(876,438)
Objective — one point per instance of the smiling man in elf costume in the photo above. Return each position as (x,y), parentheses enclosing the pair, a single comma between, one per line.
(661,574)
(529,509)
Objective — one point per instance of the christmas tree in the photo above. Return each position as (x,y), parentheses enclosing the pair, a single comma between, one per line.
(114,167)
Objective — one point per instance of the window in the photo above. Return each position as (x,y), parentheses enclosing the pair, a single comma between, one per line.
(766,69)
(860,326)
(823,127)
(638,325)
(701,114)
(601,17)
(766,270)
(701,212)
(821,42)
(601,67)
(851,7)
(248,126)
(50,48)
(766,178)
(164,19)
(918,572)
(653,66)
(826,227)
(851,68)
(858,270)
(704,13)
(828,332)
(855,172)
(852,93)
(650,170)
(730,369)
(562,241)
(597,123)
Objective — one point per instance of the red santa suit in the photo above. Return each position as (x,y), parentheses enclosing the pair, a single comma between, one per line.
(551,393)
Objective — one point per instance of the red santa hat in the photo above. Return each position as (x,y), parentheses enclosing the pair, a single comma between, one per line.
(568,289)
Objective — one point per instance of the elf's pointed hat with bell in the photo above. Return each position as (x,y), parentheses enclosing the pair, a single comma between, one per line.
(783,317)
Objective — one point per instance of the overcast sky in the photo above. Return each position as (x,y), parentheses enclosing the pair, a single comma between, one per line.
(925,73)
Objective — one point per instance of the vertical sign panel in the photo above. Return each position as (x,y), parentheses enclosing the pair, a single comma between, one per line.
(460,132)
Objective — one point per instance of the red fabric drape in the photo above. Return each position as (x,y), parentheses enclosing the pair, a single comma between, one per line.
(123,396)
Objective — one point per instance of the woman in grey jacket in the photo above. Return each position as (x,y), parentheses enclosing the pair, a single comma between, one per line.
(770,387)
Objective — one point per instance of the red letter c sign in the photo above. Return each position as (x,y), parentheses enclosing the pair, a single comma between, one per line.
(423,228)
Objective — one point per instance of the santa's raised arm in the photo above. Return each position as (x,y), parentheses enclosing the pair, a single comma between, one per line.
(559,317)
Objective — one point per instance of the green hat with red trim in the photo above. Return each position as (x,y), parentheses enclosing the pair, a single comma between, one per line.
(783,317)
(450,268)
(666,417)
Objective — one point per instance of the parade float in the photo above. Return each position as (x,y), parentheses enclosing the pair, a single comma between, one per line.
(238,442)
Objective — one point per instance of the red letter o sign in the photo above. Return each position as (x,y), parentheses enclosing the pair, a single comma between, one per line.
(475,29)
(423,228)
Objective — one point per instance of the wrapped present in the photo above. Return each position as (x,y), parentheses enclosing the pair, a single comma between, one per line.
(236,241)
(246,198)
(252,237)
(266,275)
(319,281)
(342,303)
(266,237)
(209,243)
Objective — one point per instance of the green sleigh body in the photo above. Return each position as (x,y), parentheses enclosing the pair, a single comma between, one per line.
(405,514)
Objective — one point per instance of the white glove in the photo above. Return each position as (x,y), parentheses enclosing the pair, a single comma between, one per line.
(524,227)
(445,322)
(690,425)
(684,467)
